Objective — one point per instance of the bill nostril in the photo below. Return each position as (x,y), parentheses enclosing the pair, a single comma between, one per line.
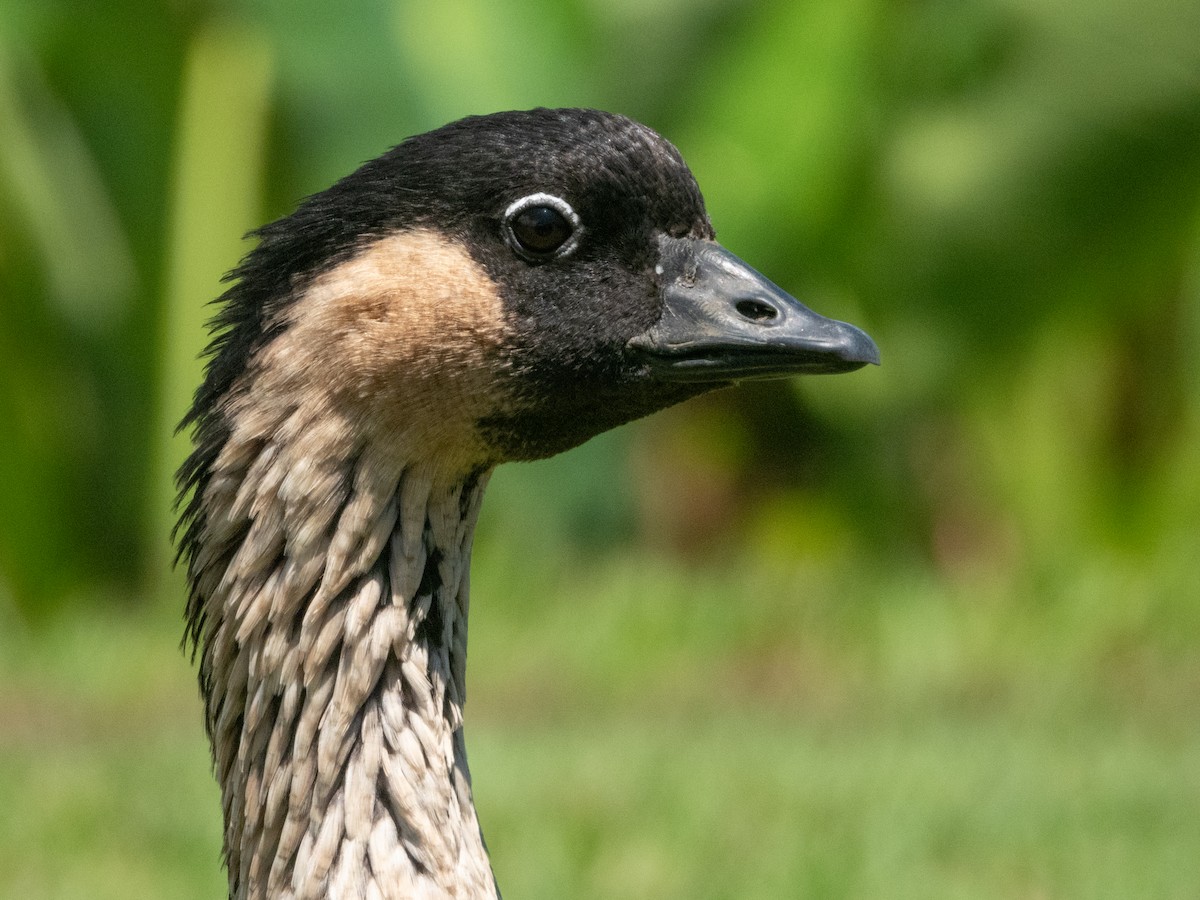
(756,310)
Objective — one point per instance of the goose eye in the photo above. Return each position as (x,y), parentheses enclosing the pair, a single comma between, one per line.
(541,227)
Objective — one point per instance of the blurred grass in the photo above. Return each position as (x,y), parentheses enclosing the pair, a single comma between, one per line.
(640,729)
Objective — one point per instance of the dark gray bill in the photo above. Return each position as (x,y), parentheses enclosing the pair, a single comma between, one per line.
(723,321)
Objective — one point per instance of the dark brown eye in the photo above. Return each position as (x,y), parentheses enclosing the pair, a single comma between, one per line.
(541,226)
(541,229)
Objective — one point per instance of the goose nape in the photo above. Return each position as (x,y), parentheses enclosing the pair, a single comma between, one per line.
(502,288)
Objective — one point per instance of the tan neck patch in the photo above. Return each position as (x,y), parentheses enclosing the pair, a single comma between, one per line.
(401,341)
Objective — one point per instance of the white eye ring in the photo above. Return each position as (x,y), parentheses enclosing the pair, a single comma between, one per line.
(541,199)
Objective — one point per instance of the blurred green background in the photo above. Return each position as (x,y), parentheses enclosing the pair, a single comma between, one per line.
(929,630)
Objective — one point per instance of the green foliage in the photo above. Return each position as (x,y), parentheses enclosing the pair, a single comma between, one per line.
(1005,193)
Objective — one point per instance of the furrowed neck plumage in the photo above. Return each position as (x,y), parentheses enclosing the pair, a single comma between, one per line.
(337,723)
(329,572)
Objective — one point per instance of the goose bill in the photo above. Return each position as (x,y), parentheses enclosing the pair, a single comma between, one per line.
(724,321)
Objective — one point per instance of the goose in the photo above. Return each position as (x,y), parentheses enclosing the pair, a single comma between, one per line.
(502,288)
